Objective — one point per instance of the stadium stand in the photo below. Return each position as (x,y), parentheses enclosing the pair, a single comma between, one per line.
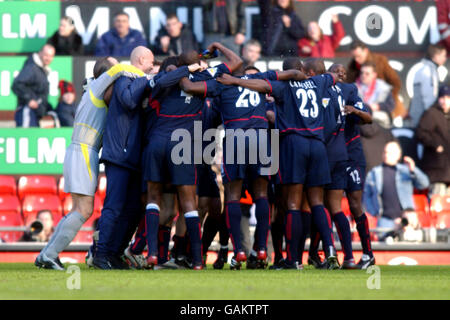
(32,204)
(29,185)
(440,211)
(8,185)
(101,188)
(10,216)
(62,195)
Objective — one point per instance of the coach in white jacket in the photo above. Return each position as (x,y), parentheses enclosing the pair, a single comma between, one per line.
(426,82)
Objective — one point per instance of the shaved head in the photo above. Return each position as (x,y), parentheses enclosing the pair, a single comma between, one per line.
(47,53)
(314,66)
(142,58)
(292,63)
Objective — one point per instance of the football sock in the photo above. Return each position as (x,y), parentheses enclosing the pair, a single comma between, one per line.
(223,231)
(306,225)
(293,232)
(210,228)
(323,223)
(315,239)
(345,235)
(233,216)
(151,228)
(277,239)
(140,239)
(194,231)
(163,243)
(362,225)
(68,229)
(262,212)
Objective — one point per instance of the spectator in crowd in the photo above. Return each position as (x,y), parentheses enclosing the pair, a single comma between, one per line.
(426,82)
(66,40)
(121,40)
(251,52)
(175,38)
(66,107)
(45,217)
(389,187)
(318,45)
(443,17)
(224,21)
(31,87)
(361,54)
(375,93)
(282,27)
(433,132)
(373,138)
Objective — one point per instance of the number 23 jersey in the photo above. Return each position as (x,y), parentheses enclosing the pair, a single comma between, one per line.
(300,108)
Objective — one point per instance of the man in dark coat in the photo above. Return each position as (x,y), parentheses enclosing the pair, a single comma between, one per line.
(31,87)
(433,132)
(175,38)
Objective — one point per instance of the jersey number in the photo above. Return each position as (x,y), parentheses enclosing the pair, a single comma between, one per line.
(305,95)
(355,176)
(246,97)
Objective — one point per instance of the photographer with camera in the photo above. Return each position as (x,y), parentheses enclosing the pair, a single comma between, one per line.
(41,229)
(389,187)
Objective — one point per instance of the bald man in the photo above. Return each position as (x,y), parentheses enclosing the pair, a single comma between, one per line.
(31,87)
(121,155)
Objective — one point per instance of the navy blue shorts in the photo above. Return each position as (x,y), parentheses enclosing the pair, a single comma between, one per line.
(207,183)
(303,161)
(356,175)
(159,167)
(245,161)
(338,172)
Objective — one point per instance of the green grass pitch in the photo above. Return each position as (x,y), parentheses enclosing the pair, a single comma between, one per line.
(25,281)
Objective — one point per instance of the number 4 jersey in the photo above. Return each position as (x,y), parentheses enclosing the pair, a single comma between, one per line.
(299,105)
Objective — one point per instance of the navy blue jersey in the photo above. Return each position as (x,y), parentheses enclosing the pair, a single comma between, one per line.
(336,98)
(241,107)
(353,138)
(179,110)
(299,105)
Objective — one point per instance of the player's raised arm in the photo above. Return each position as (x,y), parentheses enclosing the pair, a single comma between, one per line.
(291,74)
(198,88)
(234,62)
(261,86)
(365,117)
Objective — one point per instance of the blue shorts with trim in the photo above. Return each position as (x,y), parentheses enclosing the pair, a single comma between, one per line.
(338,172)
(356,175)
(304,161)
(159,166)
(244,162)
(207,183)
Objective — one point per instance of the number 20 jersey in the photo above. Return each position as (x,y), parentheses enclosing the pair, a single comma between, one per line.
(299,105)
(241,107)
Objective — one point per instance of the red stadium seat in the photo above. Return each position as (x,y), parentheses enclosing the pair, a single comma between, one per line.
(10,217)
(36,185)
(440,211)
(8,185)
(423,210)
(83,237)
(61,193)
(101,188)
(32,204)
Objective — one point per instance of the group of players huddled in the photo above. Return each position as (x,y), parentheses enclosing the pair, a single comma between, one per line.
(133,113)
